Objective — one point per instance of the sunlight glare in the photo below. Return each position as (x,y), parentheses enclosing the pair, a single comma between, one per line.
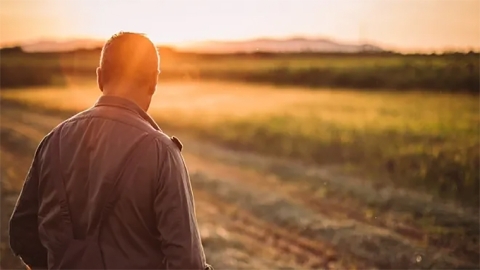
(103,19)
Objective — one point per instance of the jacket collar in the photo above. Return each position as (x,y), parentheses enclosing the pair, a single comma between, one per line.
(124,103)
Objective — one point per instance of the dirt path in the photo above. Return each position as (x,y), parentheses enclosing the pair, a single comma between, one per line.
(268,213)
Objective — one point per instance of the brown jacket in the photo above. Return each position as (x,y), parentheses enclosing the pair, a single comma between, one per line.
(151,223)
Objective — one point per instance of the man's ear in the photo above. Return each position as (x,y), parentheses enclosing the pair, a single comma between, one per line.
(153,84)
(100,78)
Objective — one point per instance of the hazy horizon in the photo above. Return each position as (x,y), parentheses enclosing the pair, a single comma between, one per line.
(400,25)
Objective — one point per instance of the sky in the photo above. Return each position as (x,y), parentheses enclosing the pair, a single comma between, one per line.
(405,25)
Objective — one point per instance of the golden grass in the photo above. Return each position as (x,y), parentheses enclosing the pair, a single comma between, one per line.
(410,111)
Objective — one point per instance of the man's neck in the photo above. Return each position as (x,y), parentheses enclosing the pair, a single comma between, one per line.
(126,95)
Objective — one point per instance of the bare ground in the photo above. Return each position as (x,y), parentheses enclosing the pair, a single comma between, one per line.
(265,213)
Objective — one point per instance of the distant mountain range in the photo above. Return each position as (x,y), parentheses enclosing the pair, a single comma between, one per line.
(280,45)
(255,45)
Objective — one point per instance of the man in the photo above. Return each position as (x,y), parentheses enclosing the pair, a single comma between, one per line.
(107,188)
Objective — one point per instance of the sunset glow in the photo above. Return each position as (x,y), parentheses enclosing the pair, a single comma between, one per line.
(398,24)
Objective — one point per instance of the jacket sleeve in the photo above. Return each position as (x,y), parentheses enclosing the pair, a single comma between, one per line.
(175,212)
(23,229)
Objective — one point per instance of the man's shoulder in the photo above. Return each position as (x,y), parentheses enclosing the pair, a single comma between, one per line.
(171,143)
(76,116)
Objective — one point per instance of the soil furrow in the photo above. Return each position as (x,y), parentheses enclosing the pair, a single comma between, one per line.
(371,244)
(304,251)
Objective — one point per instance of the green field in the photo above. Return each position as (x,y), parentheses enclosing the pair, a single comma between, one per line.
(449,72)
(423,141)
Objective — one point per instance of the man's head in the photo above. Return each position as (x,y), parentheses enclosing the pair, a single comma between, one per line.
(129,67)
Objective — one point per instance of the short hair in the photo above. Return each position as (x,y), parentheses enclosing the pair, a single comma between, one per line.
(129,56)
